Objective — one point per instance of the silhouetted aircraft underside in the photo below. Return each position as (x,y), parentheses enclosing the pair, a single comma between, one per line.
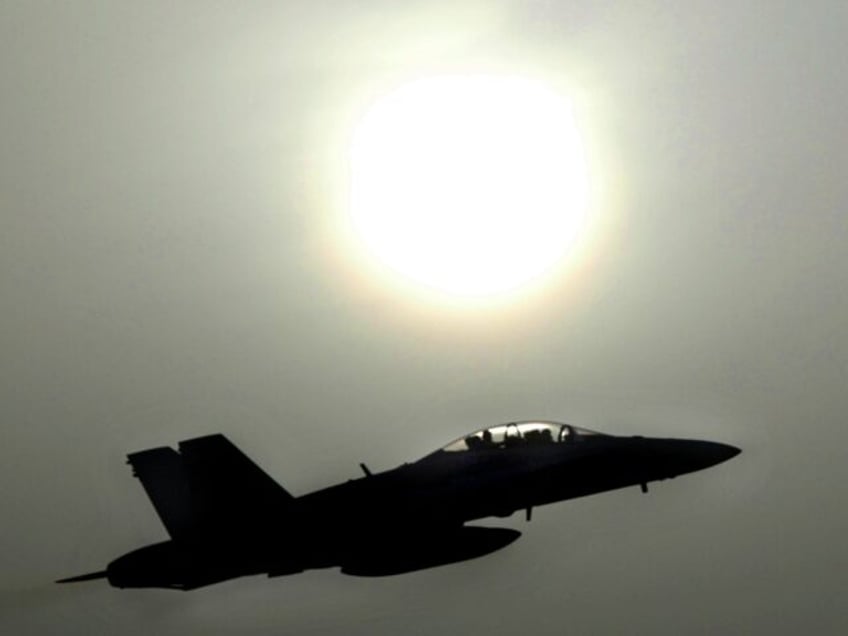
(227,518)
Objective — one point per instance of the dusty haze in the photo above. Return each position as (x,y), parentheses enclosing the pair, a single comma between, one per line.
(173,263)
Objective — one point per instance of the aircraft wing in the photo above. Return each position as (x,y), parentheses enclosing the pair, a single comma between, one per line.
(208,487)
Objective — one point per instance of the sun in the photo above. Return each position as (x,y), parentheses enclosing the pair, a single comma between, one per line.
(470,184)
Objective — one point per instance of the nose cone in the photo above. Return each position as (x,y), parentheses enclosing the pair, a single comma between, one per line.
(712,453)
(686,456)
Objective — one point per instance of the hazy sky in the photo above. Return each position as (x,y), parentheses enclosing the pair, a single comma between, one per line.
(173,263)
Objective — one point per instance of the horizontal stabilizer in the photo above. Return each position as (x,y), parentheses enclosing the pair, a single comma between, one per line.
(84,577)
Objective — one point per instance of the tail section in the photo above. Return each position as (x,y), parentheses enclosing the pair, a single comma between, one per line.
(165,480)
(227,487)
(208,487)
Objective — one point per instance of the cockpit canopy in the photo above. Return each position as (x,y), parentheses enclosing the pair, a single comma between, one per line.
(521,434)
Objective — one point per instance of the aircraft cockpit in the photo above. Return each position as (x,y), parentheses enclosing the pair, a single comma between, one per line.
(521,434)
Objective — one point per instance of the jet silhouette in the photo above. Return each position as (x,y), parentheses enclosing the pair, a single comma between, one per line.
(227,518)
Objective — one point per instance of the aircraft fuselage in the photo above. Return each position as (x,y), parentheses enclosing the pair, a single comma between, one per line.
(227,518)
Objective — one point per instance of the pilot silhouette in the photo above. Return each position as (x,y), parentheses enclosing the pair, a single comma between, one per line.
(487,439)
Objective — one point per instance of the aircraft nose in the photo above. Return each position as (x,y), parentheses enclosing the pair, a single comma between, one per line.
(716,452)
(679,456)
(697,454)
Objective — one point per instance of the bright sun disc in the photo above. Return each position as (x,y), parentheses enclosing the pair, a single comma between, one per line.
(469,184)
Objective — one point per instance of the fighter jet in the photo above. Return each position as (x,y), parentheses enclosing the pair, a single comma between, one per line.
(227,518)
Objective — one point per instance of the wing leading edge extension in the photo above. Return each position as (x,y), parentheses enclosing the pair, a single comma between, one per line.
(208,487)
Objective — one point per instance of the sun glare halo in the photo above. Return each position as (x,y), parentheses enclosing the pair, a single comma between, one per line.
(469,184)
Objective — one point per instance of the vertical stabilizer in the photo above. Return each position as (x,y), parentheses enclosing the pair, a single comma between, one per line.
(209,488)
(228,488)
(163,475)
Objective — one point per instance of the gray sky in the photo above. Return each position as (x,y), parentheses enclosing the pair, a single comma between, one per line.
(171,265)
